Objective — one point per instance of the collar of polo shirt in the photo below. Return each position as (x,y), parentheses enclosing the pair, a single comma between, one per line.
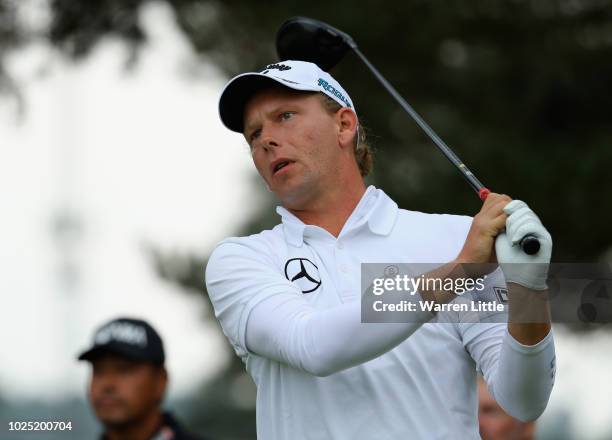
(376,208)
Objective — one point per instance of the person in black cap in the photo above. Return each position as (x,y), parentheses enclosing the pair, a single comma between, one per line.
(128,383)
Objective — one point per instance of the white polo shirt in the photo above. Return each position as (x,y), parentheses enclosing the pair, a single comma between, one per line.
(424,388)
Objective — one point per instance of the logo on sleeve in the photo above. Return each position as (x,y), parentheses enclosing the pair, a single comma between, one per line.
(391,271)
(304,273)
(501,293)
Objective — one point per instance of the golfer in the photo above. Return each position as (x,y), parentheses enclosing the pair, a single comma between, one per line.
(288,299)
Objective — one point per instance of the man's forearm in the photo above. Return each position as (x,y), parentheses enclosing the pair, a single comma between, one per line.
(524,376)
(528,314)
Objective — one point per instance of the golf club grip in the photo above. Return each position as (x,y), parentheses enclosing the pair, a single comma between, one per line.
(529,243)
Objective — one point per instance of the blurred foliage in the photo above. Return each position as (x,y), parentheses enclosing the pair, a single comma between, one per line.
(520,89)
(11,39)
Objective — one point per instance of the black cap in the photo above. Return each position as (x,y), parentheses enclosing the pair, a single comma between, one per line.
(133,339)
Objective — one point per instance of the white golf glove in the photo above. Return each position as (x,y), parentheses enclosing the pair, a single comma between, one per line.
(529,271)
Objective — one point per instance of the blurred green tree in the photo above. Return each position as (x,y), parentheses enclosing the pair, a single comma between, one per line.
(518,88)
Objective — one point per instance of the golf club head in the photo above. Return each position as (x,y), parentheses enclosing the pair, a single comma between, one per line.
(307,39)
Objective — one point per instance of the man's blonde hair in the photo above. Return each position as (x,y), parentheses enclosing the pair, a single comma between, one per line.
(363,152)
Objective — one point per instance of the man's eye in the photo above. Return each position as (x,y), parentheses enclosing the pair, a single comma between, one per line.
(286,115)
(254,135)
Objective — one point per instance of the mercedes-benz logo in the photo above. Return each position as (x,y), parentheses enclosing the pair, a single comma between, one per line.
(304,273)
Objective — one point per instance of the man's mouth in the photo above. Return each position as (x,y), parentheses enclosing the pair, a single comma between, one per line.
(280,164)
(106,402)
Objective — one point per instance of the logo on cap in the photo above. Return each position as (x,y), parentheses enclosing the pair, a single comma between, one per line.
(280,67)
(125,332)
(331,89)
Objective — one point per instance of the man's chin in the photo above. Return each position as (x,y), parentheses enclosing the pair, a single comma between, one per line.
(294,193)
(114,419)
(295,199)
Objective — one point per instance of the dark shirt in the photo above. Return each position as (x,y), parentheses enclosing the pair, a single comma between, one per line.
(170,429)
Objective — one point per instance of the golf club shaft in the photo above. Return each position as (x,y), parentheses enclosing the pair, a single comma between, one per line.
(529,243)
(450,155)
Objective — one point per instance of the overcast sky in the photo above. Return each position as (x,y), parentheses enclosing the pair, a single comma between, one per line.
(141,157)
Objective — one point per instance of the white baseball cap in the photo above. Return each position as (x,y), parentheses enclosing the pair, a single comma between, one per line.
(297,75)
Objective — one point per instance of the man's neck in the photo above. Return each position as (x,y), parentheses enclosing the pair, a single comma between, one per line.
(143,429)
(332,210)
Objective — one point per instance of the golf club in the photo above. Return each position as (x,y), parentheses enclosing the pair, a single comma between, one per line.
(306,39)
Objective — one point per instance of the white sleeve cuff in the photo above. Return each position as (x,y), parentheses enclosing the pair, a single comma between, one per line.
(524,377)
(527,349)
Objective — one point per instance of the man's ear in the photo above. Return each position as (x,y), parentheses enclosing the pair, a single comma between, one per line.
(162,381)
(347,123)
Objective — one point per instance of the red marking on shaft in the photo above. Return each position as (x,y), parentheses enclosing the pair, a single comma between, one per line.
(483,193)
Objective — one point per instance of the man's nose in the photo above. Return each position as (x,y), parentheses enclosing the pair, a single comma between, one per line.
(268,139)
(105,382)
